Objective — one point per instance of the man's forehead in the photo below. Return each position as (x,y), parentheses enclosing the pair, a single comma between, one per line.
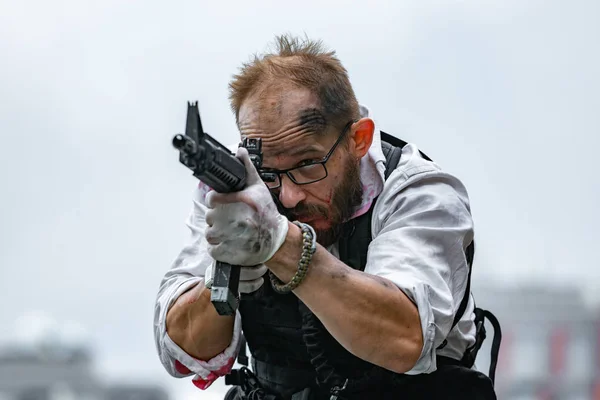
(276,105)
(290,123)
(307,148)
(302,142)
(301,134)
(265,120)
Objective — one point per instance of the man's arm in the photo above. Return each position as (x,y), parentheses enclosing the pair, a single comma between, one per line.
(369,315)
(395,312)
(195,326)
(190,336)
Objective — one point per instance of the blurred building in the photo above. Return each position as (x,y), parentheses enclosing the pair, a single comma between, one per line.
(550,345)
(53,372)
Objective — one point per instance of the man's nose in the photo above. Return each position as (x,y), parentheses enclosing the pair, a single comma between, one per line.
(290,194)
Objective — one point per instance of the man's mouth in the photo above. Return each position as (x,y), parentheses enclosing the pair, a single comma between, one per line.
(305,218)
(311,218)
(317,222)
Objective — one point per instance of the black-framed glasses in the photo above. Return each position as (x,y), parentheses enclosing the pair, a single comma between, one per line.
(310,172)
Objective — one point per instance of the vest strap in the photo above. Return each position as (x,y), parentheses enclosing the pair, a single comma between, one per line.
(287,376)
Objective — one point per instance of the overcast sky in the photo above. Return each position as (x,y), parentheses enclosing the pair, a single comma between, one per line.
(504,93)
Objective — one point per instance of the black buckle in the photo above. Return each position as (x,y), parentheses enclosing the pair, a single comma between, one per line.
(243,377)
(235,377)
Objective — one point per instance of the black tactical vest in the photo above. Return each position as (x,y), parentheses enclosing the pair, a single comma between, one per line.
(292,351)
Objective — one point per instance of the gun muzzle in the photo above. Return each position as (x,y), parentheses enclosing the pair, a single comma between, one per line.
(179,141)
(185,144)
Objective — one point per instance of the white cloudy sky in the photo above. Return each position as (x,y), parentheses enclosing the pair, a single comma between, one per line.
(503,93)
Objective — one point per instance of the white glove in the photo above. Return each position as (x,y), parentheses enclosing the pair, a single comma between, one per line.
(244,228)
(251,278)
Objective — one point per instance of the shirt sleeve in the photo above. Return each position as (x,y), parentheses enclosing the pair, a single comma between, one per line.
(187,270)
(421,227)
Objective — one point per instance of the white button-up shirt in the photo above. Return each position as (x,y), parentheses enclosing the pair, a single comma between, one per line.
(421,226)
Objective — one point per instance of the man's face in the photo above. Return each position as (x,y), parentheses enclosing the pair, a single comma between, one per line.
(293,132)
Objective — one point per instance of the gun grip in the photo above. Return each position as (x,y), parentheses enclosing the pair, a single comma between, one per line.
(224,293)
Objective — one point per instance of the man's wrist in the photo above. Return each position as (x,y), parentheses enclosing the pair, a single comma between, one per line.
(284,262)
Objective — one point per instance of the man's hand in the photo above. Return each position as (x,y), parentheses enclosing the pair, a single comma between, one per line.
(251,278)
(244,228)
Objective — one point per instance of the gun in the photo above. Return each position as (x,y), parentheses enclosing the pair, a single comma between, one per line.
(216,166)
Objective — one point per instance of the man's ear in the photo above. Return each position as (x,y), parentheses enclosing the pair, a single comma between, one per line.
(362,135)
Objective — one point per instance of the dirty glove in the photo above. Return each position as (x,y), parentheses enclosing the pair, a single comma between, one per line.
(244,228)
(251,278)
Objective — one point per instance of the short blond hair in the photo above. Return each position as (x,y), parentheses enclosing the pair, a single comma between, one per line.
(305,63)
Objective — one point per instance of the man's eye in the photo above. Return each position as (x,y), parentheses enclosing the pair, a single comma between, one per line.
(306,162)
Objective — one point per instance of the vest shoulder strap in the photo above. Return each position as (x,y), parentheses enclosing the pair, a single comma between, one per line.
(397,142)
(356,233)
(392,157)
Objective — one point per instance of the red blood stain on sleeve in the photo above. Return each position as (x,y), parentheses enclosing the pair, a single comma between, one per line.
(205,383)
(182,369)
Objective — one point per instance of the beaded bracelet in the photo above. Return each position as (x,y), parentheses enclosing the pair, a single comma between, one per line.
(309,246)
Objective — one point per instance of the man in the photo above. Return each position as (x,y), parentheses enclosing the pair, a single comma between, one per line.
(317,321)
